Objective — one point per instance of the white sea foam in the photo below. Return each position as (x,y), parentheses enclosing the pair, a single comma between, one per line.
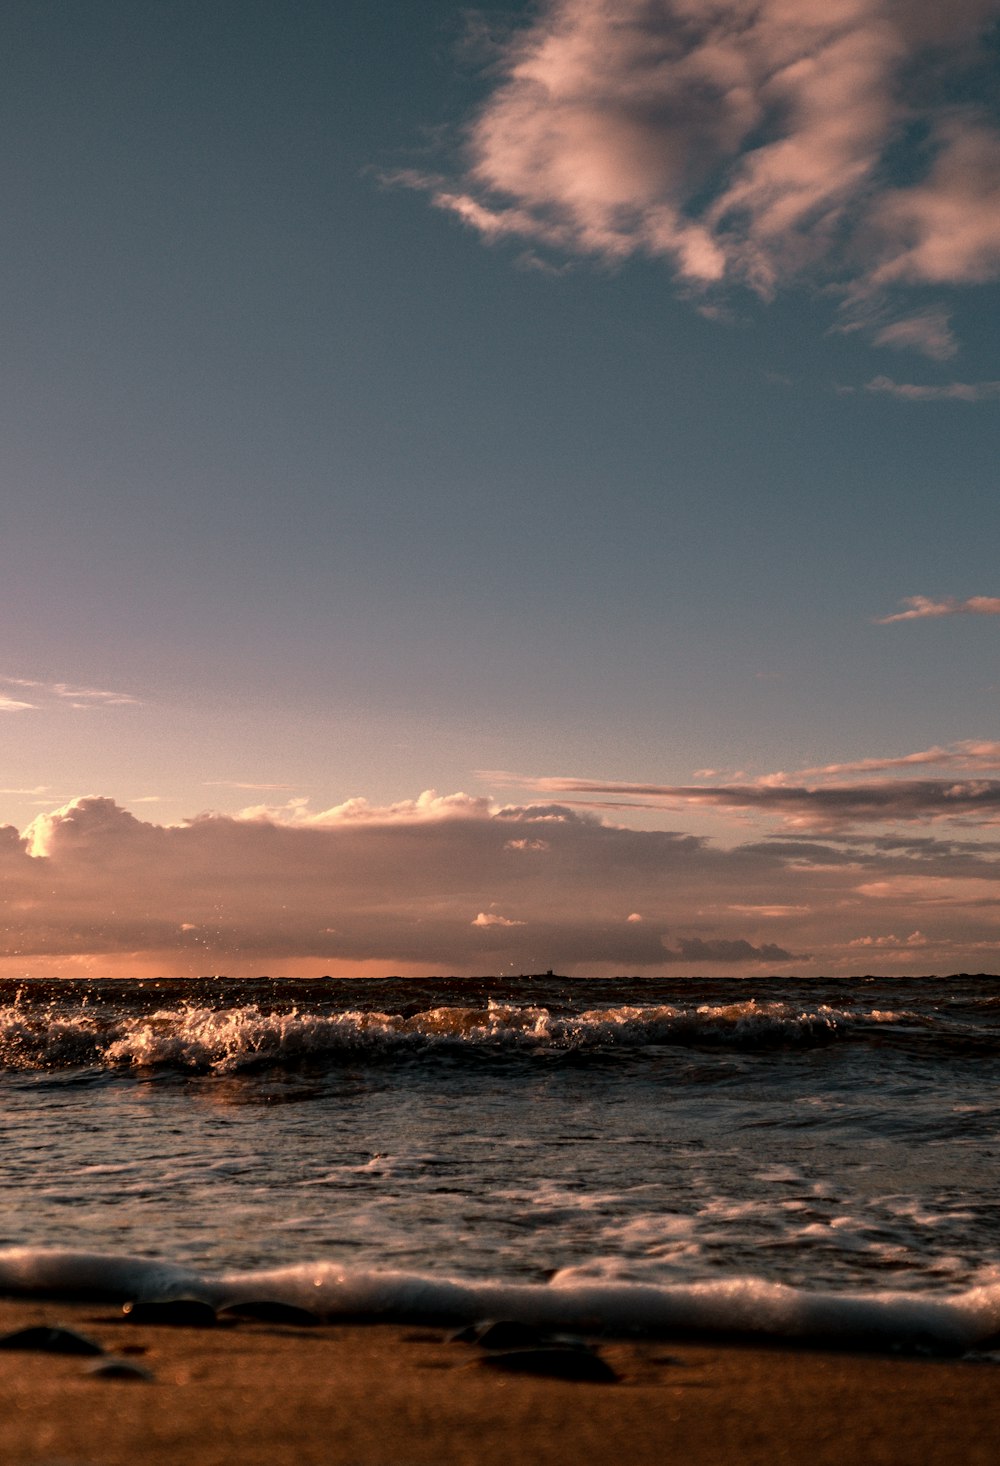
(571,1300)
(223,1041)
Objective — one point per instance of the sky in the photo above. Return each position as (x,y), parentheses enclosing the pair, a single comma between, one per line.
(500,489)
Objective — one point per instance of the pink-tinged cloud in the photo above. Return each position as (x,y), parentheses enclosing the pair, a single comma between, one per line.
(356,884)
(92,888)
(915,939)
(54,693)
(742,142)
(824,808)
(969,755)
(945,227)
(919,608)
(240,784)
(943,392)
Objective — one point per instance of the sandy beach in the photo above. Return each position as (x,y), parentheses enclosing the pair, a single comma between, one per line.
(385,1395)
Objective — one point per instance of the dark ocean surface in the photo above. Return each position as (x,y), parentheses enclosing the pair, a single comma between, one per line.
(681,1134)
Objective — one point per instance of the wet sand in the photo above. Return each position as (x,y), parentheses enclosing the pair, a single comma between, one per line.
(384,1395)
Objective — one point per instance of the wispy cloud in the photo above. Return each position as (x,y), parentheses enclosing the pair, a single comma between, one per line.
(927,331)
(744,143)
(241,784)
(54,693)
(969,755)
(944,392)
(826,807)
(919,608)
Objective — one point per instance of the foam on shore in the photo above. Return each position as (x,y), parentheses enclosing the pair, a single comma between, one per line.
(745,1306)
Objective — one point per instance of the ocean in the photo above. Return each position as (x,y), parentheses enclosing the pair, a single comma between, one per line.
(775,1157)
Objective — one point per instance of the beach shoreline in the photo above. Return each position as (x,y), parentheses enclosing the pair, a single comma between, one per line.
(393,1395)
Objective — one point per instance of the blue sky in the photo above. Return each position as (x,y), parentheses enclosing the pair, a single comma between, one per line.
(395,399)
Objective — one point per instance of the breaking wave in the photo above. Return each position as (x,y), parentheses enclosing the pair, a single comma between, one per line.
(205,1039)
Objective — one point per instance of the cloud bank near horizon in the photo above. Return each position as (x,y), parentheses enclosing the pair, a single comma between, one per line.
(755,142)
(827,807)
(461,885)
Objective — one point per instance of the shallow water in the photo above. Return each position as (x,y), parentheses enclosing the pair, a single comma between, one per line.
(840,1136)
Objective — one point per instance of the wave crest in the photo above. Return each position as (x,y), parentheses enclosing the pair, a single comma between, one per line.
(206,1039)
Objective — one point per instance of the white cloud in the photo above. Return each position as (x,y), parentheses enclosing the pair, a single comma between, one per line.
(492,918)
(54,693)
(92,696)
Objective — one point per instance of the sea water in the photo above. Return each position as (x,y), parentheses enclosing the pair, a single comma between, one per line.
(773,1156)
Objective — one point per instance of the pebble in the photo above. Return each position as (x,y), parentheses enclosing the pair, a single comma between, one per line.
(114,1368)
(553,1362)
(192,1313)
(50,1339)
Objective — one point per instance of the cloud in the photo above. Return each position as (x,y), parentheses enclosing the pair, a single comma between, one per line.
(945,228)
(947,392)
(922,607)
(14,705)
(394,887)
(693,949)
(928,332)
(967,754)
(826,807)
(751,143)
(91,887)
(915,939)
(53,693)
(238,784)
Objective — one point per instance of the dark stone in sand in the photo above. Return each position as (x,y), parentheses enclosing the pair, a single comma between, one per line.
(50,1339)
(266,1310)
(191,1313)
(552,1362)
(112,1368)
